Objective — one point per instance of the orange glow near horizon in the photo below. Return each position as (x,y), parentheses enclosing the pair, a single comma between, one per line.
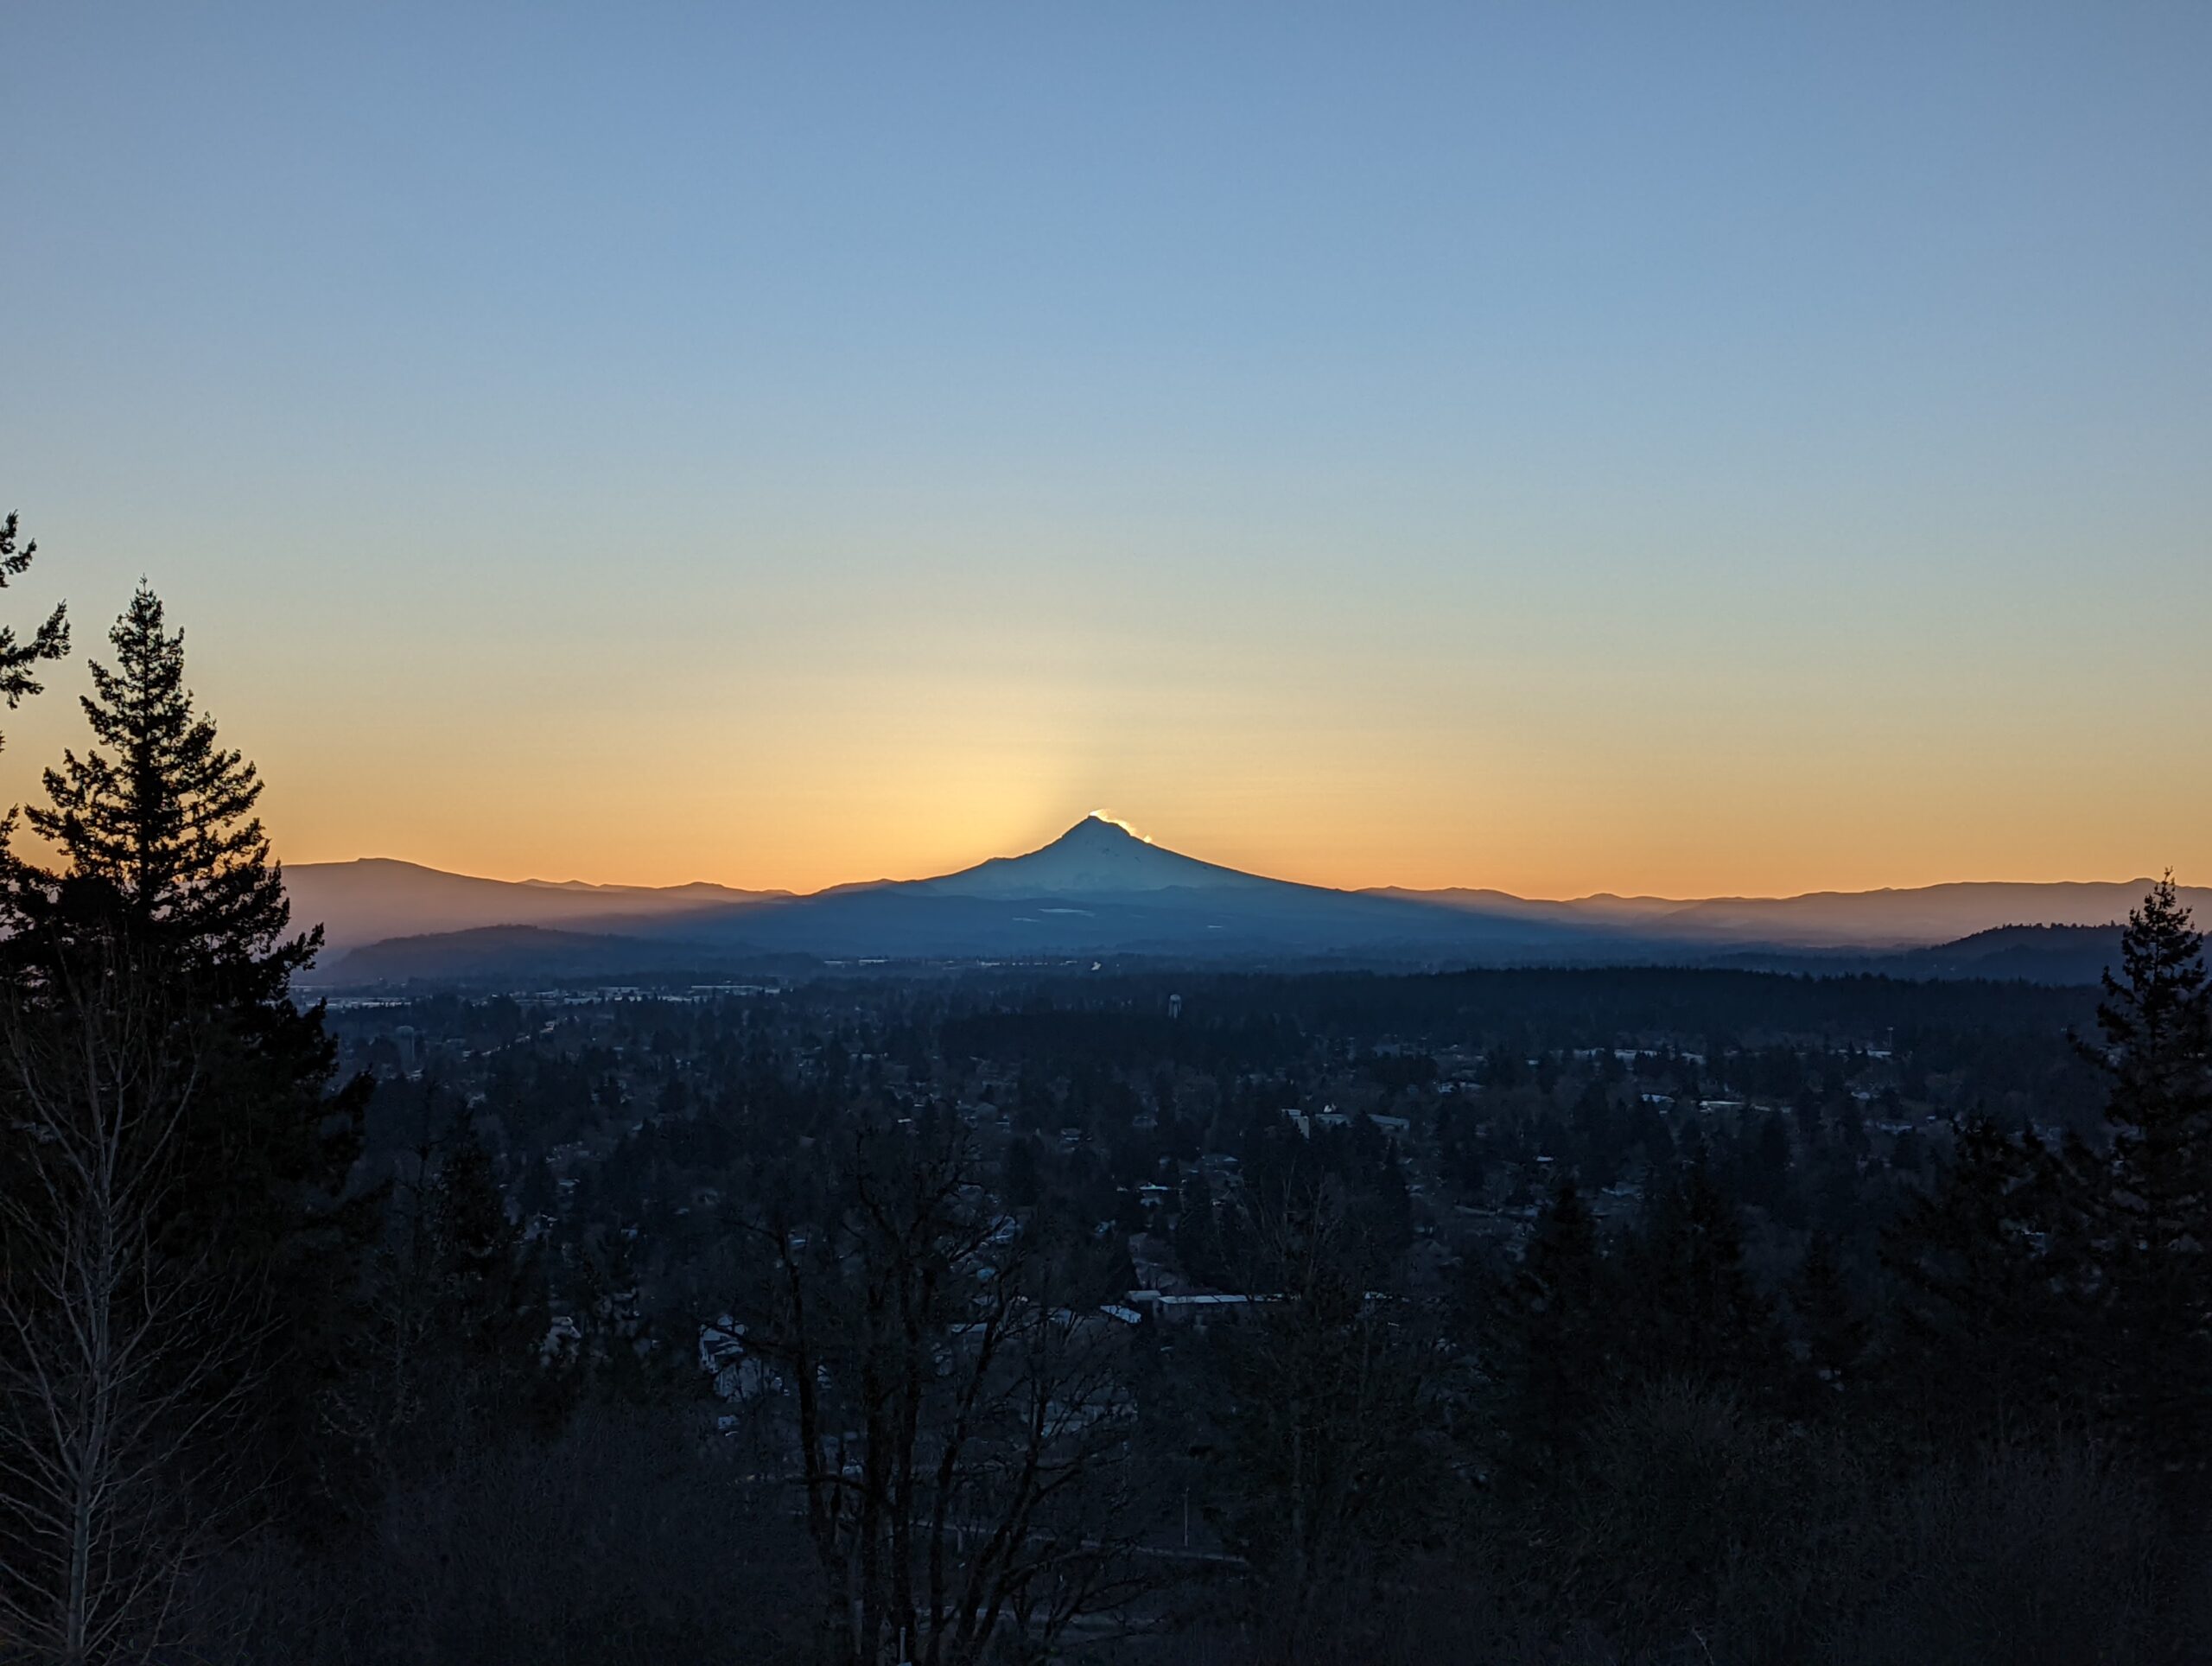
(1677,850)
(802,865)
(878,817)
(857,752)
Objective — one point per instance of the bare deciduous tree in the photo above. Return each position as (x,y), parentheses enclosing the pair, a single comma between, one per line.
(955,1406)
(1334,1397)
(122,1366)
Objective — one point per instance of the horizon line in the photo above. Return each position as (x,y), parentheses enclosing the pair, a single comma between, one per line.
(774,890)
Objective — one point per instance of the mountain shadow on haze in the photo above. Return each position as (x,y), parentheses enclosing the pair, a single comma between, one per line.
(508,953)
(2074,955)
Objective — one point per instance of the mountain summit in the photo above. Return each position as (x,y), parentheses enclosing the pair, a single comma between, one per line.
(1096,857)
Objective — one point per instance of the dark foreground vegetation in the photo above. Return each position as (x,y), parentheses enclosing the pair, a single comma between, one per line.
(1606,1316)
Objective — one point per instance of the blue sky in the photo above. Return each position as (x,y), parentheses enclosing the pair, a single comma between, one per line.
(1571,448)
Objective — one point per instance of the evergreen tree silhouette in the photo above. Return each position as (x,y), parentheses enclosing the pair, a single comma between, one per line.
(162,845)
(1696,1312)
(488,1296)
(2149,1199)
(1989,1316)
(1556,1342)
(20,660)
(164,817)
(1831,1327)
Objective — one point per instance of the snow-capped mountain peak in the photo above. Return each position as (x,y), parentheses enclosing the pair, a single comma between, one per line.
(1095,857)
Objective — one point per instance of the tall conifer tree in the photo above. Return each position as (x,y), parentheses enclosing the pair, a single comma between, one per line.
(1696,1312)
(1554,1319)
(2149,1199)
(1988,1316)
(164,817)
(19,680)
(1830,1327)
(155,822)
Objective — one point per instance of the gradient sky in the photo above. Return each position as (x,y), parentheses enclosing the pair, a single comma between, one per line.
(1559,447)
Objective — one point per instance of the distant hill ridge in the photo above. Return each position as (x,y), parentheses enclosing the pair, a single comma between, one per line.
(1099,888)
(377,897)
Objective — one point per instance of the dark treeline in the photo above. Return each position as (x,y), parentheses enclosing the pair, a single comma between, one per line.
(1556,1007)
(1185,1318)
